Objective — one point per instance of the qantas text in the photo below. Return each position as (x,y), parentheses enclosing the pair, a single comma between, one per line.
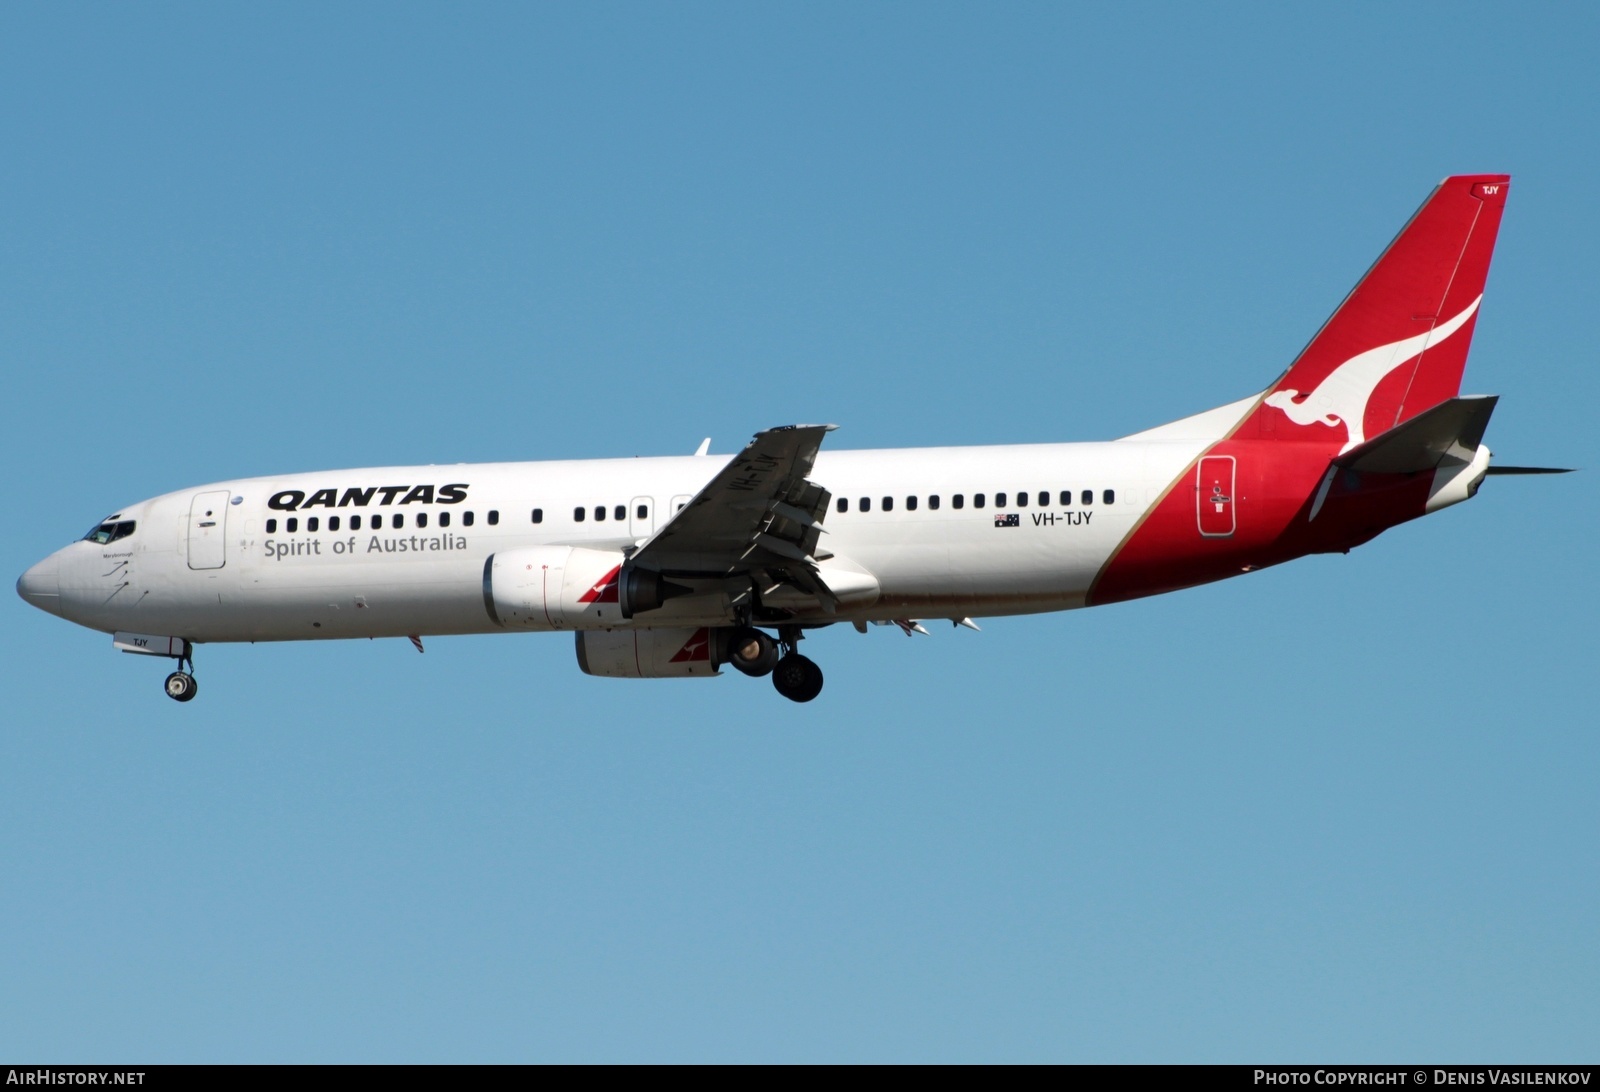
(292,500)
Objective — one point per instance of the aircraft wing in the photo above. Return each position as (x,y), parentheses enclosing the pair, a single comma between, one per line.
(759,513)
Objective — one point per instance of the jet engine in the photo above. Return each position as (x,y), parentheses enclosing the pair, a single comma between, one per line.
(673,652)
(569,587)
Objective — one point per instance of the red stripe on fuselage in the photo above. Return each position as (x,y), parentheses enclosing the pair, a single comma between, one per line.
(1274,493)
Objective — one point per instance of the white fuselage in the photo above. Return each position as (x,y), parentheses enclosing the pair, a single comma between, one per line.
(218,563)
(670,567)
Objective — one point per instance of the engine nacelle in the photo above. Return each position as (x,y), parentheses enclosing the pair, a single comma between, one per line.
(573,588)
(552,587)
(569,587)
(675,652)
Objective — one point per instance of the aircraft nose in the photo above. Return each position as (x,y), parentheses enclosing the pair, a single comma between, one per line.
(41,585)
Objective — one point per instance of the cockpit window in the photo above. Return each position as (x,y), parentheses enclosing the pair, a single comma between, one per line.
(110,531)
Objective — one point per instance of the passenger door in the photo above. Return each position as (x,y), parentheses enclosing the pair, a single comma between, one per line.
(208,530)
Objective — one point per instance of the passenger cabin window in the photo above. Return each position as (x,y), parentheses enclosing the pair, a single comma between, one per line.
(933,501)
(999,500)
(466,519)
(1087,497)
(538,517)
(620,512)
(397,521)
(643,512)
(578,514)
(311,523)
(1044,499)
(422,519)
(958,501)
(842,504)
(599,512)
(333,523)
(494,516)
(888,504)
(272,528)
(291,525)
(911,504)
(1022,499)
(444,519)
(865,505)
(1109,496)
(977,500)
(355,523)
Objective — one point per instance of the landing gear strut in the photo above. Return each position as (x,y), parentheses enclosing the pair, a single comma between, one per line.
(795,677)
(180,685)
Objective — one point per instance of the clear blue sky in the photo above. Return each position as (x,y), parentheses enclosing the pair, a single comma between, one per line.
(1346,809)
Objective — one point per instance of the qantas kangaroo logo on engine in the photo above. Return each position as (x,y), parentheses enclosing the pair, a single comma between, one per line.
(603,590)
(1343,395)
(697,647)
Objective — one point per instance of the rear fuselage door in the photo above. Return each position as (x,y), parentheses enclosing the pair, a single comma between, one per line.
(1214,492)
(208,529)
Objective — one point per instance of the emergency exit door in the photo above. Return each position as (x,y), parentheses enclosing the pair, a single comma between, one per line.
(1214,495)
(208,529)
(642,517)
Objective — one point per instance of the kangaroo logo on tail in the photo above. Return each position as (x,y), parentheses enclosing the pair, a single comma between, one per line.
(1343,395)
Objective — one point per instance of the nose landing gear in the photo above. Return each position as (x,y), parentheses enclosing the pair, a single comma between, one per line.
(180,685)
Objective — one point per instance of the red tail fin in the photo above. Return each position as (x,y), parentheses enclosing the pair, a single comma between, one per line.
(1397,345)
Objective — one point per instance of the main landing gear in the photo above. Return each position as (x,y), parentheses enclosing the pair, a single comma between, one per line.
(755,653)
(180,685)
(752,652)
(797,678)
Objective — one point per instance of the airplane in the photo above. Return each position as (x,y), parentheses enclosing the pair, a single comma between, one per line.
(676,566)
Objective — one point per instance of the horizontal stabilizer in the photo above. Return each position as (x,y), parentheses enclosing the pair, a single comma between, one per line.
(1446,435)
(1530,470)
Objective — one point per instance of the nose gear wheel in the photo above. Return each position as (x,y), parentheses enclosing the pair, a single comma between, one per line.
(181,686)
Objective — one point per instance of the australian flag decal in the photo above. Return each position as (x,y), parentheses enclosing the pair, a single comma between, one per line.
(1010,519)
